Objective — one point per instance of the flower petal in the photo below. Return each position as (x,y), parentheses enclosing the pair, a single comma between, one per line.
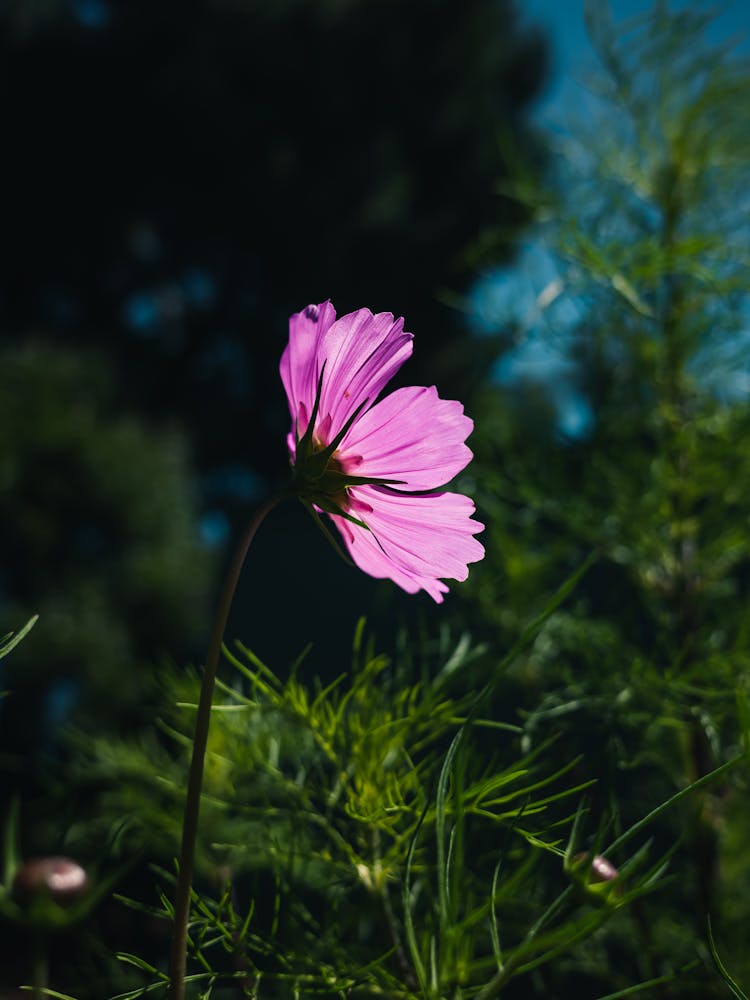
(413,436)
(413,540)
(299,363)
(362,353)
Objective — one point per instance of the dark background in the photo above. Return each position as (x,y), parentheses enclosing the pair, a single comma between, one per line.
(179,178)
(182,176)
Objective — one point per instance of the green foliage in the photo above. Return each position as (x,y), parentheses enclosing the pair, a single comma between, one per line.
(379,836)
(644,670)
(98,535)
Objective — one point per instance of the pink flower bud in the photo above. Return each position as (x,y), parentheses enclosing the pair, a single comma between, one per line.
(598,878)
(601,870)
(59,879)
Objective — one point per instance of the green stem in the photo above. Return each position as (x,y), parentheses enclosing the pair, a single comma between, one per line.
(390,917)
(39,962)
(495,985)
(178,958)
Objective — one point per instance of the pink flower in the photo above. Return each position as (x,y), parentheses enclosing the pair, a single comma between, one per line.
(374,467)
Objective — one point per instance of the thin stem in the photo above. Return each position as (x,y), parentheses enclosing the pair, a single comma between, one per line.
(650,954)
(178,958)
(390,916)
(493,987)
(39,965)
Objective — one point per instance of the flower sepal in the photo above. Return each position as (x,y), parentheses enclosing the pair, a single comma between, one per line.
(310,483)
(315,515)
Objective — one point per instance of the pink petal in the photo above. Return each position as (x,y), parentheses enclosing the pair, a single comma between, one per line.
(299,363)
(362,352)
(413,540)
(413,436)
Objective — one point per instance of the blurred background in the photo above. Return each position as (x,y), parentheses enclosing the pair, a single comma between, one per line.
(536,188)
(182,177)
(179,178)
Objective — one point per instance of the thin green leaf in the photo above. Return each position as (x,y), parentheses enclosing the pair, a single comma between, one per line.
(655,813)
(721,968)
(13,638)
(45,991)
(632,990)
(411,936)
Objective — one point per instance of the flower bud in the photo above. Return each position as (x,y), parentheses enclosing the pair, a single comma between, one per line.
(60,880)
(597,877)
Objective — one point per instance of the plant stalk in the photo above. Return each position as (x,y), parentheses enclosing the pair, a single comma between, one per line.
(39,965)
(178,959)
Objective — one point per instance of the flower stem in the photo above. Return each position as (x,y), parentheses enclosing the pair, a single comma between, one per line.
(495,985)
(39,965)
(178,958)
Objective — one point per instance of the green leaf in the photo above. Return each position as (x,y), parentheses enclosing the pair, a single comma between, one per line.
(11,640)
(721,968)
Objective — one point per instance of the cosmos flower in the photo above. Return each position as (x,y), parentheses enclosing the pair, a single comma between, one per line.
(375,467)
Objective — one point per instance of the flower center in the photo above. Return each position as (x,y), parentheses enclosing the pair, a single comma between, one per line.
(333,481)
(322,479)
